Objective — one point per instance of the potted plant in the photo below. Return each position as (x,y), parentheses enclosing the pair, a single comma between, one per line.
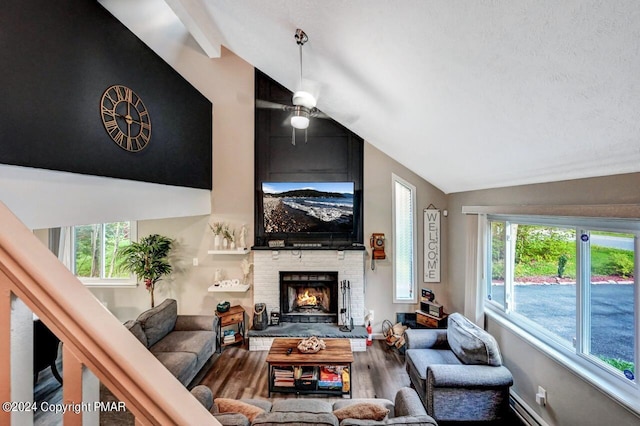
(148,260)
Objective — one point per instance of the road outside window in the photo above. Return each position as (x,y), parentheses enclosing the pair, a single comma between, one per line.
(571,286)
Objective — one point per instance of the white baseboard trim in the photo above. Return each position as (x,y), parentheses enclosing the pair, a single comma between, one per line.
(524,411)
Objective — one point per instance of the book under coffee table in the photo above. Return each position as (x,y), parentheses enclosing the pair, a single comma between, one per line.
(310,368)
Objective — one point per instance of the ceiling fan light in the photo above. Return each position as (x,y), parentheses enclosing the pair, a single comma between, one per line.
(300,118)
(304,99)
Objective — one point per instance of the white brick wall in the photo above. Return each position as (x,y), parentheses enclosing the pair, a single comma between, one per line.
(268,263)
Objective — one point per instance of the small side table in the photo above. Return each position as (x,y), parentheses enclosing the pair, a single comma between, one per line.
(429,321)
(234,316)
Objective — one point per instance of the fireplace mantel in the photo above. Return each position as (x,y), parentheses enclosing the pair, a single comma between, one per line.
(356,247)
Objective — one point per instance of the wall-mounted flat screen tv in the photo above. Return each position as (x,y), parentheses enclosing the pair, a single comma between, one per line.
(294,207)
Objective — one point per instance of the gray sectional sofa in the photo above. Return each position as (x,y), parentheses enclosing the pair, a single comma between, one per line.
(458,372)
(182,343)
(406,410)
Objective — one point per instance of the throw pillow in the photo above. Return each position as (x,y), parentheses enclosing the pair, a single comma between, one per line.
(228,405)
(362,411)
(159,321)
(470,343)
(136,329)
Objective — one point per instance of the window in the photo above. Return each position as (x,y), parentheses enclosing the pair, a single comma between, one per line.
(94,252)
(404,241)
(570,283)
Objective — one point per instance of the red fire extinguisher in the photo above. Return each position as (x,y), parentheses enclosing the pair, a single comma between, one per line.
(370,334)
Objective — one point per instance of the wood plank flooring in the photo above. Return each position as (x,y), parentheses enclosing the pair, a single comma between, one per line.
(237,373)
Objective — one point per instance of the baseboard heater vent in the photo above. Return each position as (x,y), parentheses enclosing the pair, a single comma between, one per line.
(524,412)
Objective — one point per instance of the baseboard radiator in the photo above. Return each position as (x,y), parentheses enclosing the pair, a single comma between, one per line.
(524,411)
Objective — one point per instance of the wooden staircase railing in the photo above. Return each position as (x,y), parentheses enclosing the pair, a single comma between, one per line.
(90,334)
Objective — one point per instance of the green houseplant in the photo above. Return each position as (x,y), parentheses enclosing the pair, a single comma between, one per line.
(148,260)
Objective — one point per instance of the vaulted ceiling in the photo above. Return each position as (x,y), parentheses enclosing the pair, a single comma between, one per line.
(467,94)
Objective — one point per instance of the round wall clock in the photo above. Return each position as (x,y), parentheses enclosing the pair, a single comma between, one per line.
(125,118)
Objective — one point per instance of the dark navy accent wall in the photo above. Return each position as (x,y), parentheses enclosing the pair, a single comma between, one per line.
(56,60)
(332,153)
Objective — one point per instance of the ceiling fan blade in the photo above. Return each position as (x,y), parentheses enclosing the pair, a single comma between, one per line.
(316,113)
(271,105)
(287,121)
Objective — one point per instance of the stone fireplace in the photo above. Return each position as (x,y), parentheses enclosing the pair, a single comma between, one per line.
(309,296)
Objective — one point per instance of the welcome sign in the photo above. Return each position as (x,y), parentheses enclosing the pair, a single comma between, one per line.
(431,246)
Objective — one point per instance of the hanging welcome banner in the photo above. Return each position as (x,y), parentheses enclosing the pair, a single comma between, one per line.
(431,245)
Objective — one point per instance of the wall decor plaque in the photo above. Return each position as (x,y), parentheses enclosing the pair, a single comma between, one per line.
(431,245)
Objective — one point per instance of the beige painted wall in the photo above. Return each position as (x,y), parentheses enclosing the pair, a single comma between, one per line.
(229,84)
(571,401)
(232,202)
(378,168)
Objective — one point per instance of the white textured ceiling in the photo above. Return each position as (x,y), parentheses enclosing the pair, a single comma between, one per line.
(467,94)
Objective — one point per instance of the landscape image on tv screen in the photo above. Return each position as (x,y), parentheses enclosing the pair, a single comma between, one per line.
(307,207)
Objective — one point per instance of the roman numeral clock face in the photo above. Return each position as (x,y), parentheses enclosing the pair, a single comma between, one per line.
(125,118)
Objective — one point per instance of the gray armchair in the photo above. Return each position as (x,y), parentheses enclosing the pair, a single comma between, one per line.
(458,372)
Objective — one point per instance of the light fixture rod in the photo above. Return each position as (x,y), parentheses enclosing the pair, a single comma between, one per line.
(301,39)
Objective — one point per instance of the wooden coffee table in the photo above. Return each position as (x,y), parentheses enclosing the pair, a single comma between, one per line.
(337,353)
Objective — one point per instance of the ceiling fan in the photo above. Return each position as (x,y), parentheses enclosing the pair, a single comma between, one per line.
(304,103)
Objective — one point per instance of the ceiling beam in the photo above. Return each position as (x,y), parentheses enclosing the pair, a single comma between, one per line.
(194,17)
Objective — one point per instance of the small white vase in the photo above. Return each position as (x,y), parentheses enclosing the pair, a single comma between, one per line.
(216,242)
(225,244)
(232,246)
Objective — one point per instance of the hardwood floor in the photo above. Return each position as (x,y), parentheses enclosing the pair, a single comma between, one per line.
(377,373)
(237,373)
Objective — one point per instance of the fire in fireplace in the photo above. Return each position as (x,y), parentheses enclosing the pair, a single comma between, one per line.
(309,299)
(308,296)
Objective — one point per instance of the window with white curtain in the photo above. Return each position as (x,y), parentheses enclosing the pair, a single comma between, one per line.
(404,241)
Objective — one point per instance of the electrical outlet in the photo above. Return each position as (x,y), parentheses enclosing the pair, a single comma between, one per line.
(195,261)
(541,396)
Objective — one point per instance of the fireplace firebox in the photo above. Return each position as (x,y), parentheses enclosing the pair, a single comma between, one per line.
(309,297)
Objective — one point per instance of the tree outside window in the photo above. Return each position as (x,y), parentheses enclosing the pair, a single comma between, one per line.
(96,250)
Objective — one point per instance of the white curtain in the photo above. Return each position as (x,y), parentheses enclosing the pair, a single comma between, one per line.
(60,244)
(475,288)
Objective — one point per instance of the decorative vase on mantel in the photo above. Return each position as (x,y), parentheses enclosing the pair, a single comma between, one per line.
(225,243)
(216,242)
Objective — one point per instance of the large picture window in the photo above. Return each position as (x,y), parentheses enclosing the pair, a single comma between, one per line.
(404,241)
(571,283)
